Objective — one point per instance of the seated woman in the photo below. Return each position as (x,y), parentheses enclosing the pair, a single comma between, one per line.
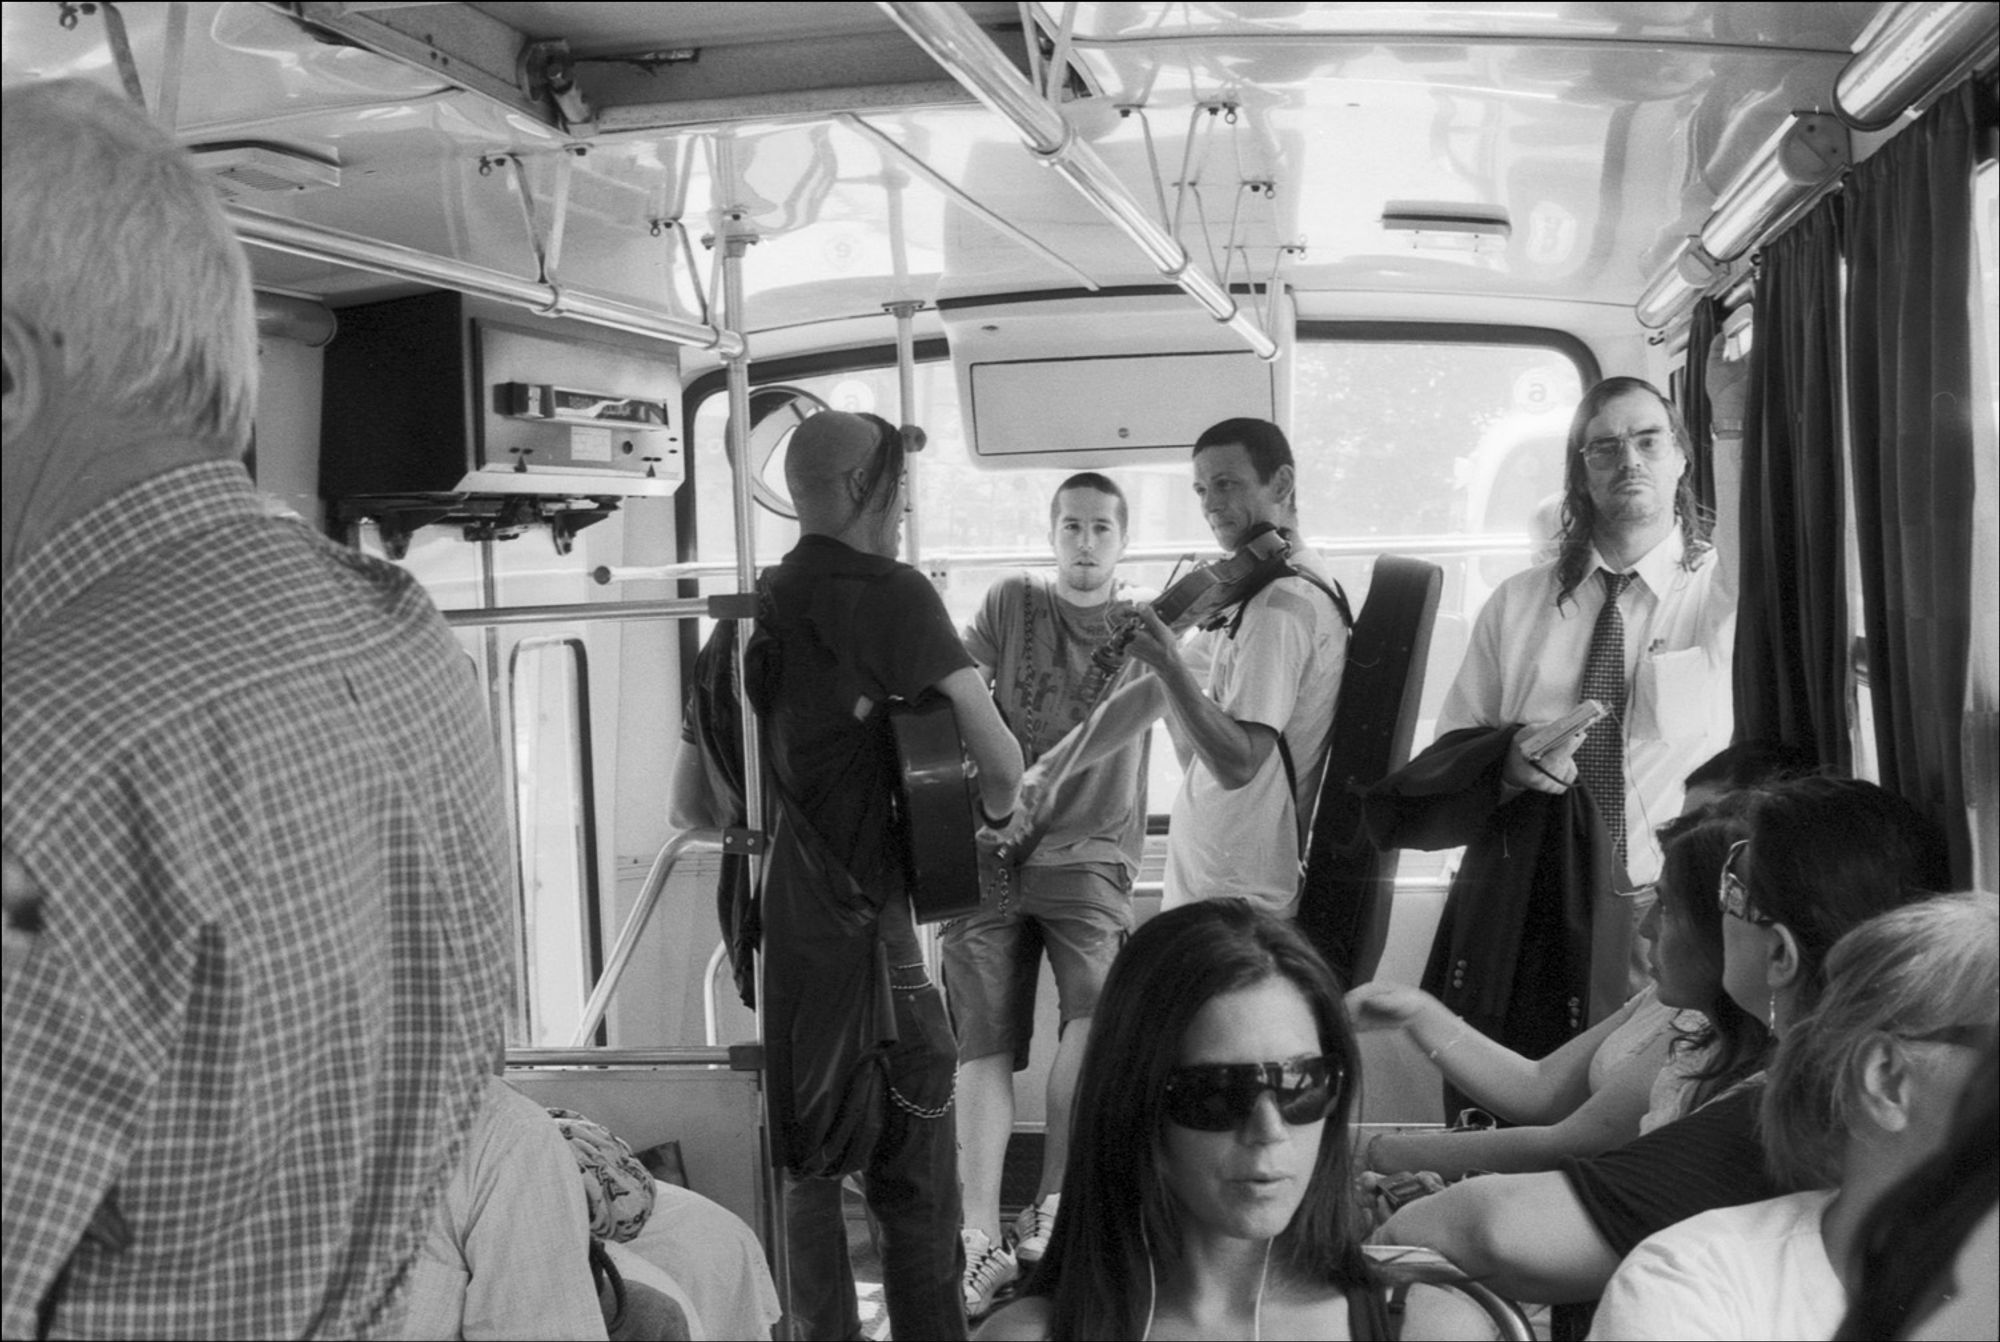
(1207,1187)
(1623,1077)
(1818,856)
(1629,1073)
(1861,1093)
(1927,1255)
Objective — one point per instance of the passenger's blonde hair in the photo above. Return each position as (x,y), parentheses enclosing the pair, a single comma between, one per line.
(117,250)
(1910,973)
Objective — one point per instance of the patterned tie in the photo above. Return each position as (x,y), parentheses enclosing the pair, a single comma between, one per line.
(1600,759)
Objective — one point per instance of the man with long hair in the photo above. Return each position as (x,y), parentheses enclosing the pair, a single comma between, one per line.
(1634,611)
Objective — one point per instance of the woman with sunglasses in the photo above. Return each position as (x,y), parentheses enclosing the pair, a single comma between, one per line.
(1207,1193)
(1822,856)
(1863,1090)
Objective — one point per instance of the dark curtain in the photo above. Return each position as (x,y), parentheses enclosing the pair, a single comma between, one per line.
(1702,329)
(1910,308)
(1791,625)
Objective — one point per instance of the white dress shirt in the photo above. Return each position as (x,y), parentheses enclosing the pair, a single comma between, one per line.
(1525,664)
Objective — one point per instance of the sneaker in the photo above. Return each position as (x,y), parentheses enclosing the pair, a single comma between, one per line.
(1033,1227)
(989,1268)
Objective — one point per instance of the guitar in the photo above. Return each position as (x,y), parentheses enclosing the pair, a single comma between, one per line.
(954,872)
(940,806)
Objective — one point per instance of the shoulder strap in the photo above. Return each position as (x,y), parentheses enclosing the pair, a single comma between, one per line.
(1333,592)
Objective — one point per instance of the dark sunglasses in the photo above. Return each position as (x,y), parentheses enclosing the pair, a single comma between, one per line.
(1218,1097)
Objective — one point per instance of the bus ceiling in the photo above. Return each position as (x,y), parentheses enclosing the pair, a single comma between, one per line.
(1587,160)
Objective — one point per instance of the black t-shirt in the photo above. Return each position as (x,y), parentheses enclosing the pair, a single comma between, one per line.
(1709,1159)
(843,626)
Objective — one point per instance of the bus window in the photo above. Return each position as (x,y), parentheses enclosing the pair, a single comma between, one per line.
(1417,445)
(555,830)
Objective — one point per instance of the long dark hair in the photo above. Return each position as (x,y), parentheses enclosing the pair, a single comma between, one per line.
(1579,515)
(1694,848)
(1120,1229)
(1827,854)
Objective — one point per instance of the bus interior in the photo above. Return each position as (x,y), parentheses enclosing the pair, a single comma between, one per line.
(543,288)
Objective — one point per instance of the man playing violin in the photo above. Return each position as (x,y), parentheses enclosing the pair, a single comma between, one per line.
(1249,702)
(1071,897)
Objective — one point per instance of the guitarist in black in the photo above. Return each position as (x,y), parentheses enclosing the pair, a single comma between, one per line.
(859,1052)
(1249,701)
(1035,635)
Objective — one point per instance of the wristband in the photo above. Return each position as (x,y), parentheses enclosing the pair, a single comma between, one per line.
(990,822)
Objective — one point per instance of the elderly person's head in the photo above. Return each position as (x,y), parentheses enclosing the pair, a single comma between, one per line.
(128,308)
(1213,1103)
(1818,856)
(1873,1075)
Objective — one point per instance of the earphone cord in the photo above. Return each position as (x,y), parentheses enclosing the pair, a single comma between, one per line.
(1153,1292)
(1152,1285)
(1257,1317)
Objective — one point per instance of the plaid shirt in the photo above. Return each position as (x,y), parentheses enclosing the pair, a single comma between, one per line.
(249,773)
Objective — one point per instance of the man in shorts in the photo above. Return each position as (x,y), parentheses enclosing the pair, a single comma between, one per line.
(1072,897)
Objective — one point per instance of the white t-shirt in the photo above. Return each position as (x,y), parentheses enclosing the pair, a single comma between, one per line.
(714,1259)
(1755,1271)
(1282,669)
(1525,664)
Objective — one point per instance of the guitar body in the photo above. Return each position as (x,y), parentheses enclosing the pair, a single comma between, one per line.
(940,810)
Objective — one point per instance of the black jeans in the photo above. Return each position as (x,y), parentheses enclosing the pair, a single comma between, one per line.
(911,1183)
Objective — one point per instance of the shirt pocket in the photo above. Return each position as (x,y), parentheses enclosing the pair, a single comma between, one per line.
(1670,695)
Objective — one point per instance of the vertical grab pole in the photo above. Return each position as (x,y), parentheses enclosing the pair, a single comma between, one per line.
(736,240)
(905,312)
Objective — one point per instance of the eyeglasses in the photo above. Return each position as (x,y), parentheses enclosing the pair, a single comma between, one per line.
(1219,1097)
(1732,896)
(1652,444)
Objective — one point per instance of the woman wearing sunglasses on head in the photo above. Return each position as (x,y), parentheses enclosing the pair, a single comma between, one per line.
(1207,1193)
(1818,857)
(1863,1090)
(1576,1102)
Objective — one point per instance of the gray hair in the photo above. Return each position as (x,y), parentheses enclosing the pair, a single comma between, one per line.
(118,252)
(1913,972)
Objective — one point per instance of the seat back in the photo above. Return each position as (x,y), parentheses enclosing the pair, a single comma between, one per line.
(1344,901)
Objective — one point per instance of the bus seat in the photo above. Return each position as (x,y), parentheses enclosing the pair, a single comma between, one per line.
(1429,1297)
(1343,904)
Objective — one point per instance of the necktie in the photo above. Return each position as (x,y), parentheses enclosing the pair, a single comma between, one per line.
(1600,759)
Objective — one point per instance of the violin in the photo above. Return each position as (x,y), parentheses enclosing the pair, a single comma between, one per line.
(1202,596)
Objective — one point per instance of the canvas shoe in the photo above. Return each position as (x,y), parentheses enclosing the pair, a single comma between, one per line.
(1032,1229)
(989,1267)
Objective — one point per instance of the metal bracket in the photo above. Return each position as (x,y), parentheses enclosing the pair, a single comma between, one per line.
(746,1057)
(733,606)
(547,70)
(746,842)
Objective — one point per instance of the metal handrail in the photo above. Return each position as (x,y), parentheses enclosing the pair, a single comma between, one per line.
(1343,547)
(316,242)
(1405,1265)
(697,840)
(686,1055)
(683,608)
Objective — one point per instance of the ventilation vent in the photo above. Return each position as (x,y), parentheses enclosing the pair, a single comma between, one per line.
(255,168)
